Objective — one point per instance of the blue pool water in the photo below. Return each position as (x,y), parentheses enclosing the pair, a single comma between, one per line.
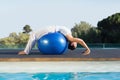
(61,76)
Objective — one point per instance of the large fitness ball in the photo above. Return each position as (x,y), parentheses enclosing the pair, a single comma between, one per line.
(53,43)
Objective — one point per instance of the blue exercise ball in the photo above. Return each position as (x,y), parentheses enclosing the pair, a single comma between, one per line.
(53,43)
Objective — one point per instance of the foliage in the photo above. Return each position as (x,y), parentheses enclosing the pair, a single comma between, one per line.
(110,29)
(27,29)
(86,32)
(14,40)
(80,29)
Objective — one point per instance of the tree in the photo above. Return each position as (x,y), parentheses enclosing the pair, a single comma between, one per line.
(22,39)
(80,29)
(13,35)
(93,35)
(14,40)
(110,29)
(87,32)
(26,29)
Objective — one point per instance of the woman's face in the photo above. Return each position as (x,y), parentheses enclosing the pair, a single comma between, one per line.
(74,44)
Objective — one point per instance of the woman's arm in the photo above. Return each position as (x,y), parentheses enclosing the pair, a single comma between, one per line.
(79,41)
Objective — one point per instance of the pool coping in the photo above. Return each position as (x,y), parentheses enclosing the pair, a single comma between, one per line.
(59,59)
(61,66)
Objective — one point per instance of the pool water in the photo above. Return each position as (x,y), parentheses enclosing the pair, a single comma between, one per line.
(61,76)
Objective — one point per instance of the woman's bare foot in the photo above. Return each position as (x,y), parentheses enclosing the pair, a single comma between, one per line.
(22,53)
(86,52)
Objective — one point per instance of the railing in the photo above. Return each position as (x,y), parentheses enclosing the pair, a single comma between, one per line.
(91,45)
(102,45)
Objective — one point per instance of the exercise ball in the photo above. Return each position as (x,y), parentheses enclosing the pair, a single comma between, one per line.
(53,43)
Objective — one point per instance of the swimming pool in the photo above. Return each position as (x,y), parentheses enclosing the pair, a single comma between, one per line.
(61,76)
(60,70)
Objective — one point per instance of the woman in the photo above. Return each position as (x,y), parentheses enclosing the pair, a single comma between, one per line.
(62,29)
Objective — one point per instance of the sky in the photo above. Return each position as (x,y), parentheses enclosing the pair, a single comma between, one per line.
(15,14)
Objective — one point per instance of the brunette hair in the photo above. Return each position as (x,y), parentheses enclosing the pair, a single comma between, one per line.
(70,46)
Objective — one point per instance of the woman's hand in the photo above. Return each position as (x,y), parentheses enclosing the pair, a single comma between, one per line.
(86,52)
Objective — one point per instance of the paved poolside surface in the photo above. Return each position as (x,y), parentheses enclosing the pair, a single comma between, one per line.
(97,54)
(61,66)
